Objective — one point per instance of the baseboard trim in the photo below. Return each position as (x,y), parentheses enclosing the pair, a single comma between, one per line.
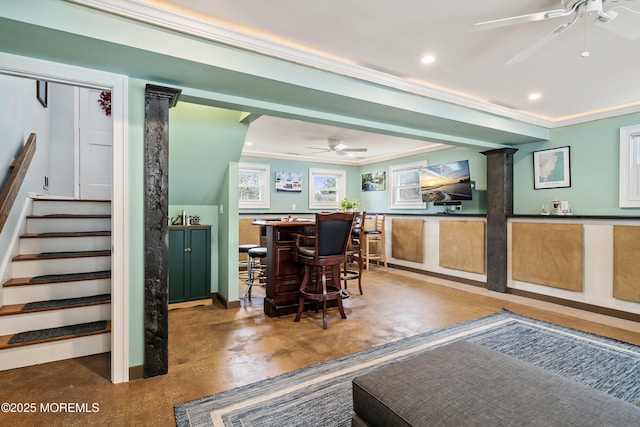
(136,372)
(226,304)
(440,275)
(625,315)
(576,304)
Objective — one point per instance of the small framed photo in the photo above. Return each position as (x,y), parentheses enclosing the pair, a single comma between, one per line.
(42,92)
(551,168)
(375,181)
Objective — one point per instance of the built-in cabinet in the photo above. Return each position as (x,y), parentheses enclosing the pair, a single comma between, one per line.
(189,263)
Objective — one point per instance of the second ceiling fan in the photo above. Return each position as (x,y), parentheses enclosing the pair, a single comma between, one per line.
(620,20)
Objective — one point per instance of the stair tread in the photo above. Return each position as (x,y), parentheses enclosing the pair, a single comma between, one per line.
(59,255)
(59,333)
(58,278)
(56,304)
(54,234)
(47,199)
(67,216)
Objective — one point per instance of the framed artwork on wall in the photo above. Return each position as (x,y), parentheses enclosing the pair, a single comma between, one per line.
(289,182)
(42,92)
(376,181)
(551,168)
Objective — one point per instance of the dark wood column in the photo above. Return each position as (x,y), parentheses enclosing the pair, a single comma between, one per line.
(158,100)
(499,206)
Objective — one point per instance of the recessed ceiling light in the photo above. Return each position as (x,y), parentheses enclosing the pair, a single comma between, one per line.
(535,96)
(428,59)
(249,143)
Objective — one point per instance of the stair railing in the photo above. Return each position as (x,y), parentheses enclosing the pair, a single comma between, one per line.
(17,172)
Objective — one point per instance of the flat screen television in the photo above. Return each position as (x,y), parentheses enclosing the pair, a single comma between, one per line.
(447,184)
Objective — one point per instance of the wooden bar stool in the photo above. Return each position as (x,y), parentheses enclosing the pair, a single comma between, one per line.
(376,237)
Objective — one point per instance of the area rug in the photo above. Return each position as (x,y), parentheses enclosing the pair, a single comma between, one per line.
(320,395)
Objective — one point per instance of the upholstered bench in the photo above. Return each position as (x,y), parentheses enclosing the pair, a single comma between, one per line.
(465,384)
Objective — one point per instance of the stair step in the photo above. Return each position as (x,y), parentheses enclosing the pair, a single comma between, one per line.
(64,242)
(51,264)
(56,234)
(54,334)
(54,304)
(42,206)
(60,255)
(57,278)
(56,290)
(67,223)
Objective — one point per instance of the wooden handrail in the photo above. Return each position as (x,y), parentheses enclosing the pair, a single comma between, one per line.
(18,170)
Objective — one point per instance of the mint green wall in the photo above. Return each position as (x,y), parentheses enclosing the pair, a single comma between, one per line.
(136,221)
(379,201)
(372,201)
(228,234)
(594,169)
(202,141)
(281,201)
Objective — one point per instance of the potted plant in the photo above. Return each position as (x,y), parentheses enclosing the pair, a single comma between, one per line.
(349,205)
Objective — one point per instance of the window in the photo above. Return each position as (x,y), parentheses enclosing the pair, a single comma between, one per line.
(404,182)
(326,188)
(630,167)
(254,189)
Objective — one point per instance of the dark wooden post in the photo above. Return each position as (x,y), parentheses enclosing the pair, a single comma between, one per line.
(499,207)
(158,100)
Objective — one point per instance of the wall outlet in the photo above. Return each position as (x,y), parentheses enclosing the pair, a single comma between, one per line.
(46,183)
(293,207)
(221,209)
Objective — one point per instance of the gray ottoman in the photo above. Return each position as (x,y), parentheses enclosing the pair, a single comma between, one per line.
(464,384)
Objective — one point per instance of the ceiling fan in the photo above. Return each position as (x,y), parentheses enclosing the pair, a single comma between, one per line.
(337,146)
(619,20)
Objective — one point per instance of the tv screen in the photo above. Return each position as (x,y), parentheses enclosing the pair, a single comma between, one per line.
(446,184)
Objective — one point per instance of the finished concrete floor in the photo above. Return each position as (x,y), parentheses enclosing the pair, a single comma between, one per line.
(212,349)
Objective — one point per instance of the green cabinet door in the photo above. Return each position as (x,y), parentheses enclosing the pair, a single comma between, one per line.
(189,263)
(200,263)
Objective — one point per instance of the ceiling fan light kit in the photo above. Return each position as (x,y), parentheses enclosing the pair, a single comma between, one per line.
(620,20)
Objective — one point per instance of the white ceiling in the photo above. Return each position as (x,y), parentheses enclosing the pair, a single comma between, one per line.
(389,39)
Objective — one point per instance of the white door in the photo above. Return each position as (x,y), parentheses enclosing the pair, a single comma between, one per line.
(96,137)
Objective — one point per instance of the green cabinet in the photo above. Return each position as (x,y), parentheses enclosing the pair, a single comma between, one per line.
(189,263)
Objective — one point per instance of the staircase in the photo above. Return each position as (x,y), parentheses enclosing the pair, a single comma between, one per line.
(58,303)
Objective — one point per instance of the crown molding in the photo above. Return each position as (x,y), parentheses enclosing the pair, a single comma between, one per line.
(142,11)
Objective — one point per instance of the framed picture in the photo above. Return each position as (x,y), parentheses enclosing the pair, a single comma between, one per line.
(375,181)
(289,182)
(42,92)
(551,168)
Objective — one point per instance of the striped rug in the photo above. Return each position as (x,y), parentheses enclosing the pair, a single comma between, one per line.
(320,395)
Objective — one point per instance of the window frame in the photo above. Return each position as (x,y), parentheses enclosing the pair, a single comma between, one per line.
(341,187)
(629,196)
(265,187)
(394,203)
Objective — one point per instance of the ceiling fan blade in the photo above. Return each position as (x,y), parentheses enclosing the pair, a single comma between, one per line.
(497,23)
(625,23)
(541,43)
(354,150)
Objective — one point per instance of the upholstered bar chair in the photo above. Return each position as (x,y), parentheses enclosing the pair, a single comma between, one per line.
(321,256)
(375,237)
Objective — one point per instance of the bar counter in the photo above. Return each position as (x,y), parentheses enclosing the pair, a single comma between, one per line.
(283,273)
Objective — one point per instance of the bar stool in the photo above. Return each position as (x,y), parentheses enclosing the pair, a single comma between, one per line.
(243,263)
(321,262)
(375,236)
(255,270)
(354,253)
